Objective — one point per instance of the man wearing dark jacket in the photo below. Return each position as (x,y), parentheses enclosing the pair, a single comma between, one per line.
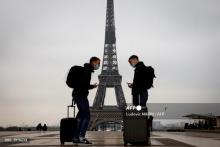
(80,94)
(139,85)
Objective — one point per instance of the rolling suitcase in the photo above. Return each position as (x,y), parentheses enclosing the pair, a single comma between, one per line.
(68,126)
(136,128)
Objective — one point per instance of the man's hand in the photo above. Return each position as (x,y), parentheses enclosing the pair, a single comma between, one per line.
(95,85)
(130,85)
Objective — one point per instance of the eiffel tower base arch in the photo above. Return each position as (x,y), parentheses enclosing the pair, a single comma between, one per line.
(104,115)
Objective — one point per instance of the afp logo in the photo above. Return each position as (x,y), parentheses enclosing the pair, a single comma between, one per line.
(131,107)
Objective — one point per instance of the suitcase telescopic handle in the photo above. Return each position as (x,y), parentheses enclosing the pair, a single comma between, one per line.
(74,109)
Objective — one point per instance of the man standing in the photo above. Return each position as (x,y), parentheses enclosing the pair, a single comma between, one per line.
(143,80)
(80,94)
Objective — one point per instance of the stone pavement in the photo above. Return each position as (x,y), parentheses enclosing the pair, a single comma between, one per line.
(159,139)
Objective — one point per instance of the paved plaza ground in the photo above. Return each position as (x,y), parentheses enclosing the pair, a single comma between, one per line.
(158,139)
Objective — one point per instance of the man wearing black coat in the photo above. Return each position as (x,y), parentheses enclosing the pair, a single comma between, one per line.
(139,86)
(80,94)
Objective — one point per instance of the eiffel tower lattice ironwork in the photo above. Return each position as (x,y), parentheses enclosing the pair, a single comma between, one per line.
(109,77)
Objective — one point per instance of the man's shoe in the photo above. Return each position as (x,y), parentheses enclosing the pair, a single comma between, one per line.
(84,141)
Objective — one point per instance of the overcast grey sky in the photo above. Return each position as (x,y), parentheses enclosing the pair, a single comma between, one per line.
(41,39)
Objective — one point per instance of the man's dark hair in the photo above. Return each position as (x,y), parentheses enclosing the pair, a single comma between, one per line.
(94,59)
(133,57)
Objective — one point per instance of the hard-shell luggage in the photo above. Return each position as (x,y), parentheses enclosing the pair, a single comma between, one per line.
(68,126)
(136,128)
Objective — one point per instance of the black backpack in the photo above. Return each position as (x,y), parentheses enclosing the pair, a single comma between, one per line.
(74,76)
(150,77)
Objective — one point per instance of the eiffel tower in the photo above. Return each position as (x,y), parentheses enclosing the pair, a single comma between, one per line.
(109,78)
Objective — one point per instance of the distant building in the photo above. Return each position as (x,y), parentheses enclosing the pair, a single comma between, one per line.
(207,121)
